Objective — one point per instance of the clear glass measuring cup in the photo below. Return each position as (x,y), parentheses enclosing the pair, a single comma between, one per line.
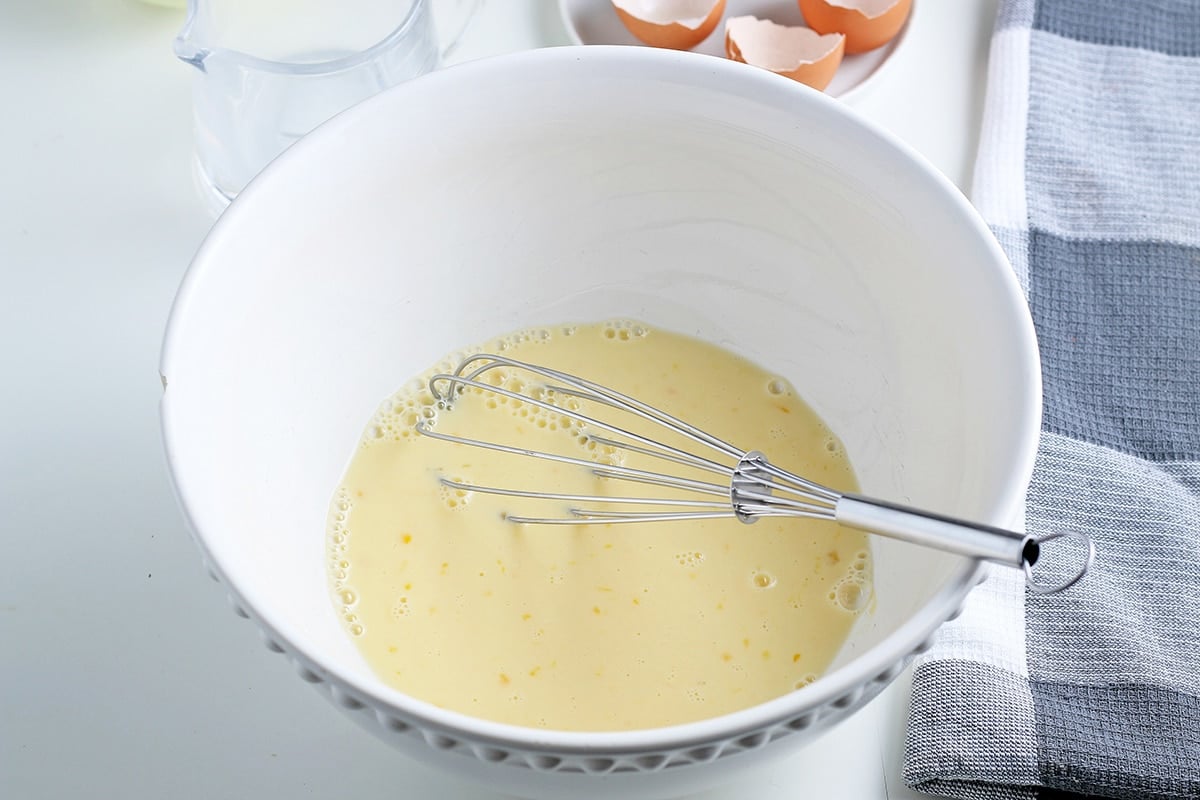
(269,71)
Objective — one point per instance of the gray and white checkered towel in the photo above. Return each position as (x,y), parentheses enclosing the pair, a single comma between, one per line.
(1089,174)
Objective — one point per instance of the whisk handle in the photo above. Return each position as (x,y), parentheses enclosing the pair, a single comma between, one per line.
(933,530)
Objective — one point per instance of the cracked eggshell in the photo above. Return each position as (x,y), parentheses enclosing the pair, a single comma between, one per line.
(798,53)
(867,24)
(676,24)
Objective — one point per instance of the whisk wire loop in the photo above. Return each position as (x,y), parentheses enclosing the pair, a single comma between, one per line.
(627,473)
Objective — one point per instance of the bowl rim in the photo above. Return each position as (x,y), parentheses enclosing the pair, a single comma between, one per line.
(722,77)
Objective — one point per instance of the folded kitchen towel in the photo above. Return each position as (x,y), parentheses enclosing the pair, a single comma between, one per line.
(1089,174)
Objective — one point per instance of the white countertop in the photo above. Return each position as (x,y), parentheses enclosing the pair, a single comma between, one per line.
(122,672)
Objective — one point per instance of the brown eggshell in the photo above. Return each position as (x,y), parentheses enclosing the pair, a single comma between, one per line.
(798,53)
(677,24)
(867,24)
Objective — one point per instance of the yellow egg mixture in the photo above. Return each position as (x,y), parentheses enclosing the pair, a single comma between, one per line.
(599,626)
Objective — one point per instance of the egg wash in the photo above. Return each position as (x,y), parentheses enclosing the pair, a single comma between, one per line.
(597,627)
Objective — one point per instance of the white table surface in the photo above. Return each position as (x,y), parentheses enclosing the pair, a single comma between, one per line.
(122,672)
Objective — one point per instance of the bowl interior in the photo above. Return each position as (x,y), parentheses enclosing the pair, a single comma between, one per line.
(707,198)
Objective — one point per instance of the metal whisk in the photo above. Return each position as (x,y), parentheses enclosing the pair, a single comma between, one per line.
(750,487)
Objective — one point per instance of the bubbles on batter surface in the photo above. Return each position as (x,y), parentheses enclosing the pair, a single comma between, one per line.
(524,396)
(348,599)
(339,567)
(762,580)
(397,418)
(454,498)
(692,559)
(598,451)
(414,403)
(620,330)
(805,680)
(524,337)
(852,592)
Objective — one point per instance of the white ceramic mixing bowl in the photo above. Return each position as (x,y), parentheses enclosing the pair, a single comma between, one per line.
(579,184)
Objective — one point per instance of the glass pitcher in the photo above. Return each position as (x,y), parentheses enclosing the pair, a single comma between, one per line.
(269,71)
